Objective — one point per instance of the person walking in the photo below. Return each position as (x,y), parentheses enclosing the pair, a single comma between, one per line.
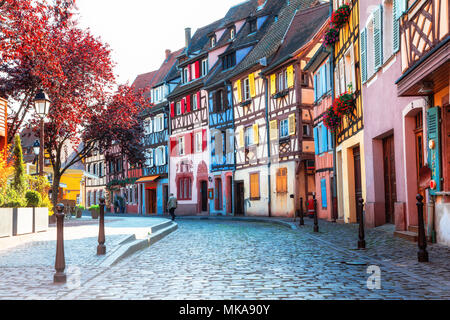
(172,204)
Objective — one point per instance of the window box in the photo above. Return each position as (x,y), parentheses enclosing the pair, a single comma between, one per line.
(246,103)
(281,94)
(284,139)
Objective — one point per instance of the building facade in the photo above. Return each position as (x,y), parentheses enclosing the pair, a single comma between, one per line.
(3,125)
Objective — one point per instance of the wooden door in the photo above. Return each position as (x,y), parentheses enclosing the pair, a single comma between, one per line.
(204,194)
(446,144)
(390,187)
(358,183)
(165,197)
(150,201)
(419,149)
(239,198)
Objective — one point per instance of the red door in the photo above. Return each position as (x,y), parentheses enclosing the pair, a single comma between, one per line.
(390,187)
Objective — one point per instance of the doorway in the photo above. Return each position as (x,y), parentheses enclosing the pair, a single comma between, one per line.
(204,196)
(151,201)
(239,198)
(390,185)
(165,198)
(418,132)
(218,200)
(358,184)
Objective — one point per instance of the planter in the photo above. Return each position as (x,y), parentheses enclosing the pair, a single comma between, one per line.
(6,222)
(22,221)
(94,214)
(78,213)
(40,220)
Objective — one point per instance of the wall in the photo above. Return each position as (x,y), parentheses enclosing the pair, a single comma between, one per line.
(255,207)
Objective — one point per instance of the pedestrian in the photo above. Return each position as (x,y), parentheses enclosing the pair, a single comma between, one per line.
(172,205)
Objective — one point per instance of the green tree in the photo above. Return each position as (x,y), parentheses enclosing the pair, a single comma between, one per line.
(19,182)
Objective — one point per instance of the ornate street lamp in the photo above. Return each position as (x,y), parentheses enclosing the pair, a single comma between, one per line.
(42,106)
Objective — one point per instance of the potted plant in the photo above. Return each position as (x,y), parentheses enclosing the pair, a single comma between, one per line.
(79,211)
(95,210)
(331,120)
(344,104)
(331,36)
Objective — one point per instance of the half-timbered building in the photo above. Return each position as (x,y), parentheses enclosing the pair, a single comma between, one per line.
(153,189)
(350,161)
(252,176)
(245,25)
(189,150)
(290,101)
(425,61)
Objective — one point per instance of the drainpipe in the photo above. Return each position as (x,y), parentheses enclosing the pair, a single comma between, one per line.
(334,198)
(266,84)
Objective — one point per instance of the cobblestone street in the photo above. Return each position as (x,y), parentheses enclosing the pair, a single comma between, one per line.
(225,259)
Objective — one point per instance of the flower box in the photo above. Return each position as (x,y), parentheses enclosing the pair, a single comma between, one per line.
(340,17)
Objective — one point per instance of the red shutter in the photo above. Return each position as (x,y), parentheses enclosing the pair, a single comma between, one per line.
(172,109)
(197,69)
(204,139)
(182,105)
(192,142)
(199,103)
(173,147)
(188,143)
(188,107)
(190,72)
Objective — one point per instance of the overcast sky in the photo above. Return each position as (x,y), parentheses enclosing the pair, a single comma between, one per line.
(139,31)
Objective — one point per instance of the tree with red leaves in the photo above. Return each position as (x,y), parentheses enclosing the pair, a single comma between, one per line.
(48,51)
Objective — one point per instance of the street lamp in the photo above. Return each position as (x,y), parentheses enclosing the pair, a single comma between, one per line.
(36,151)
(41,105)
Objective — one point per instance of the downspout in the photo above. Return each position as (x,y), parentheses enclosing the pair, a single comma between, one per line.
(334,198)
(268,146)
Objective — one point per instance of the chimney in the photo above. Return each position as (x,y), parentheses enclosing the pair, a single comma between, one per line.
(187,33)
(261,3)
(168,52)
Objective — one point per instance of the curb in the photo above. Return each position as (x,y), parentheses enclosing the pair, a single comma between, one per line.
(287,224)
(131,244)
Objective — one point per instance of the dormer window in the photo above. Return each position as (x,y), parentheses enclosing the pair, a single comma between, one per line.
(204,67)
(186,75)
(252,26)
(229,61)
(232,33)
(213,41)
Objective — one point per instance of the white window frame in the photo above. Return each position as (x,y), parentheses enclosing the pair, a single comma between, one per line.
(246,89)
(159,123)
(286,121)
(149,158)
(181,146)
(194,102)
(198,141)
(388,29)
(205,67)
(178,108)
(160,156)
(248,133)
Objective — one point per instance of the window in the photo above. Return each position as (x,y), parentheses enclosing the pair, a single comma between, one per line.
(89,168)
(149,158)
(194,102)
(213,41)
(198,143)
(388,30)
(306,130)
(204,67)
(185,75)
(284,128)
(246,89)
(218,101)
(305,81)
(281,180)
(229,61)
(184,189)
(252,26)
(178,108)
(254,186)
(181,146)
(160,156)
(249,139)
(159,123)
(232,33)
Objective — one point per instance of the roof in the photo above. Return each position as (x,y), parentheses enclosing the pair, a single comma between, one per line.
(272,39)
(166,67)
(304,26)
(145,80)
(200,41)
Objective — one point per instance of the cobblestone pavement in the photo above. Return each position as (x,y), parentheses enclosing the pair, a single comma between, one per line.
(212,259)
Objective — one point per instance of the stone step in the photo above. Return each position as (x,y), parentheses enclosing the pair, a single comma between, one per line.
(407,235)
(413,229)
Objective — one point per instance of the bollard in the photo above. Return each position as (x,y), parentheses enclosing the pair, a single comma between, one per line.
(362,241)
(101,248)
(60,262)
(423,253)
(316,222)
(302,222)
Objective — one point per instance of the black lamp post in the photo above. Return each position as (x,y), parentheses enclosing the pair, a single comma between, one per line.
(41,105)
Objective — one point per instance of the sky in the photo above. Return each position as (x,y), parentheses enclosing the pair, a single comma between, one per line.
(139,31)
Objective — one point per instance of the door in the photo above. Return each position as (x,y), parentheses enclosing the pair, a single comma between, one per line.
(358,184)
(204,194)
(446,144)
(165,197)
(229,194)
(151,201)
(419,152)
(239,198)
(390,187)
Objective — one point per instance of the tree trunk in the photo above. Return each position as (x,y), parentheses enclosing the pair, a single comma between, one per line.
(55,189)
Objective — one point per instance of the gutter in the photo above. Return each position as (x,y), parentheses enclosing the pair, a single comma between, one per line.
(268,147)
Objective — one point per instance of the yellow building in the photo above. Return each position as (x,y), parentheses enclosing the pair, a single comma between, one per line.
(349,135)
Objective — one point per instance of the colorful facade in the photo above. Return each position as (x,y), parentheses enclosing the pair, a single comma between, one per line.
(3,124)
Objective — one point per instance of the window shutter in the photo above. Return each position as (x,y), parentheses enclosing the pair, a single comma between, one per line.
(172,110)
(323,188)
(204,140)
(251,80)
(254,185)
(328,75)
(150,125)
(255,133)
(324,138)
(434,155)
(199,103)
(292,124)
(273,84)
(323,80)
(316,140)
(188,103)
(378,36)
(290,76)
(241,138)
(336,80)
(316,93)
(239,91)
(364,55)
(396,27)
(173,147)
(273,129)
(183,103)
(197,69)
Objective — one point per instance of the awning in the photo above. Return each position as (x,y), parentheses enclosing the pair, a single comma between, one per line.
(147,179)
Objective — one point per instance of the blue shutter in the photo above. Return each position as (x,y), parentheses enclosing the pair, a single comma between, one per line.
(316,140)
(378,37)
(434,155)
(328,75)
(323,80)
(364,55)
(324,139)
(315,87)
(323,188)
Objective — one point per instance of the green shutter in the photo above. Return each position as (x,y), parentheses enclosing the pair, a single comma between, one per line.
(364,55)
(378,36)
(434,155)
(396,27)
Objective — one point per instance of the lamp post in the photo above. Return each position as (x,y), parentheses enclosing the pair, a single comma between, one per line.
(316,222)
(101,248)
(60,262)
(41,105)
(36,151)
